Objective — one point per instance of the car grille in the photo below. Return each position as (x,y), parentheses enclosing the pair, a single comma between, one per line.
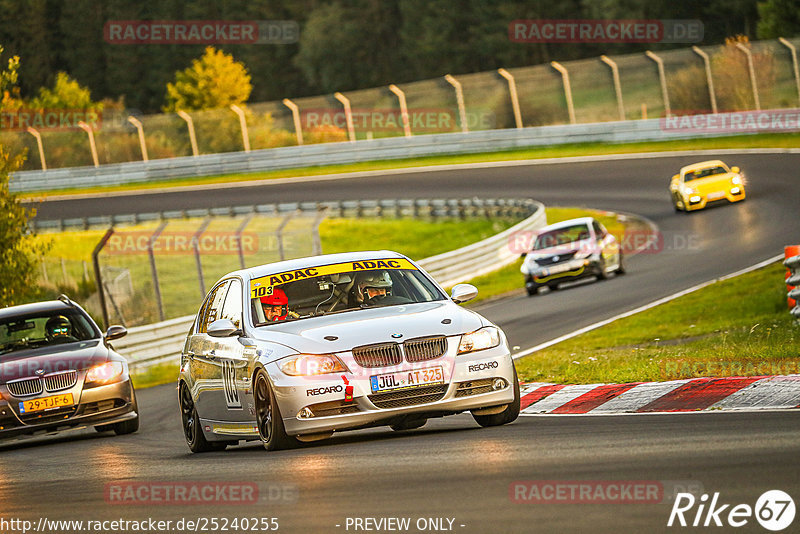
(59,381)
(409,397)
(25,387)
(474,387)
(420,350)
(555,259)
(382,355)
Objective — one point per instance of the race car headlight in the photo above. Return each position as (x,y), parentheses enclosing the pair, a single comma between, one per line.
(485,338)
(312,364)
(736,180)
(689,190)
(104,373)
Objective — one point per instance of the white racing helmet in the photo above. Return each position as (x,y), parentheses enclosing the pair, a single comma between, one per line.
(372,280)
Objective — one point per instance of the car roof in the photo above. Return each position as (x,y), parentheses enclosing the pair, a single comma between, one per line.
(564,224)
(311,261)
(702,165)
(35,307)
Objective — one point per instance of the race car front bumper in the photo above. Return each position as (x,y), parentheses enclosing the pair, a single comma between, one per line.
(473,381)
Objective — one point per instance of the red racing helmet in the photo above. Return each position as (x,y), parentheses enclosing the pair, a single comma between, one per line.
(277,298)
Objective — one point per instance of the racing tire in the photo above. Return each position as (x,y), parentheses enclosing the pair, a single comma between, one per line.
(508,415)
(190,421)
(621,267)
(553,286)
(268,416)
(408,425)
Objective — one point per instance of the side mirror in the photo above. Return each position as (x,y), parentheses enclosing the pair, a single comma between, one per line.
(735,169)
(463,292)
(115,331)
(222,328)
(523,255)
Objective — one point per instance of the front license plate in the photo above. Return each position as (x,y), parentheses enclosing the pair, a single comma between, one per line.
(406,379)
(46,403)
(716,196)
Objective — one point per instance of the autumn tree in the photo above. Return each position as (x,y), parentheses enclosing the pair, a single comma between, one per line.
(19,253)
(213,81)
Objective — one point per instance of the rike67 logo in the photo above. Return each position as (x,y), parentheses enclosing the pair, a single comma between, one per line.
(774,510)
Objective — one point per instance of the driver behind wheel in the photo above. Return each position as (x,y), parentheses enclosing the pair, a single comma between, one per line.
(58,329)
(275,306)
(373,285)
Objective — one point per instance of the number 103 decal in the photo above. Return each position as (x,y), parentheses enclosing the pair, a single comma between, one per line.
(229,384)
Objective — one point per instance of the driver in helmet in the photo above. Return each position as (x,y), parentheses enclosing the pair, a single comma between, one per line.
(275,306)
(58,329)
(373,286)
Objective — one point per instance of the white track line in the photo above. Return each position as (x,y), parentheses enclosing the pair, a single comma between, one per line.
(653,304)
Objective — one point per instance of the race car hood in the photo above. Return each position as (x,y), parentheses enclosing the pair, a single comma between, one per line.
(68,356)
(372,325)
(712,183)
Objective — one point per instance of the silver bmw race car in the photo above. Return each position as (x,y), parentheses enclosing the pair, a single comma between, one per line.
(290,352)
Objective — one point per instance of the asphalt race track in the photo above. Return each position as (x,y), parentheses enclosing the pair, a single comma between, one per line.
(451,468)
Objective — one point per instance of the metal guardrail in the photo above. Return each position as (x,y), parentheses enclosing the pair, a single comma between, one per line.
(420,207)
(149,345)
(793,264)
(350,152)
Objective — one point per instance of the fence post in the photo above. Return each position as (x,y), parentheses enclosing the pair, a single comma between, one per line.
(567,89)
(709,79)
(348,115)
(793,51)
(98,277)
(243,125)
(140,130)
(663,79)
(197,261)
(190,124)
(512,89)
(279,234)
(462,112)
(92,146)
(617,85)
(154,270)
(298,130)
(401,97)
(752,70)
(239,231)
(34,132)
(316,242)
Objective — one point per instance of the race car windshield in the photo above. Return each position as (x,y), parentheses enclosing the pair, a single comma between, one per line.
(344,291)
(44,329)
(703,173)
(561,236)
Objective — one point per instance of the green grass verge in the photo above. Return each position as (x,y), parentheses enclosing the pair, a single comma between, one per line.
(737,327)
(787,140)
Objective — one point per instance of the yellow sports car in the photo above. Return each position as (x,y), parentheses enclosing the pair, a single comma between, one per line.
(704,183)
